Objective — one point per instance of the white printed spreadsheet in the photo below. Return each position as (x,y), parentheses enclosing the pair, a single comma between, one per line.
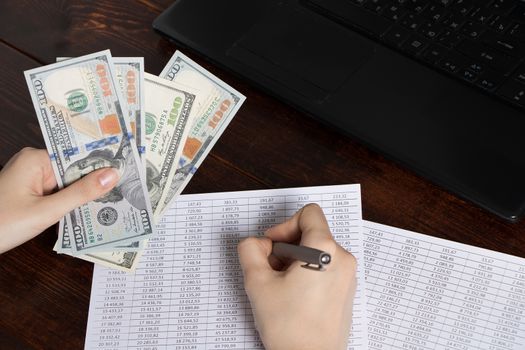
(429,293)
(420,292)
(187,291)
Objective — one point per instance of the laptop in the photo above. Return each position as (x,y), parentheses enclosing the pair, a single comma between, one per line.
(437,85)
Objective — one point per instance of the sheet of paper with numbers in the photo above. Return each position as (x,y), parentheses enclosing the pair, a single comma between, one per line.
(430,293)
(187,292)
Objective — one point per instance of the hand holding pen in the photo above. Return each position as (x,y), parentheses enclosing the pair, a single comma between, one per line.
(295,307)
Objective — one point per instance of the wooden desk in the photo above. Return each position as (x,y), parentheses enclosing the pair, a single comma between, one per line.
(44,297)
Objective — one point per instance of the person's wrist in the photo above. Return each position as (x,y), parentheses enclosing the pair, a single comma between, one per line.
(308,345)
(302,338)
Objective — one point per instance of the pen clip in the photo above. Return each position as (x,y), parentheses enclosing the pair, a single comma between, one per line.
(313,267)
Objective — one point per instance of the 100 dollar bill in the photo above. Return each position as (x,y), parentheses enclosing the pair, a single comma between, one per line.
(81,115)
(63,243)
(121,260)
(130,77)
(168,119)
(220,104)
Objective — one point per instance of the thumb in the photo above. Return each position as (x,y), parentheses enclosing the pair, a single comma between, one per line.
(86,189)
(253,256)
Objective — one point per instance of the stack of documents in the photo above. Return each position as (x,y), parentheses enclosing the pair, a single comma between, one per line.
(97,111)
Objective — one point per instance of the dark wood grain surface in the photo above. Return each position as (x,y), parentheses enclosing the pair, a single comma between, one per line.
(44,297)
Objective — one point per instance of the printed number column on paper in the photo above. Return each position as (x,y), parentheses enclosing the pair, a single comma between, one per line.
(152,292)
(112,310)
(191,275)
(342,214)
(226,318)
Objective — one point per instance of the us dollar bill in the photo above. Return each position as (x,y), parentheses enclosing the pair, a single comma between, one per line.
(63,243)
(220,103)
(84,124)
(130,75)
(168,109)
(123,260)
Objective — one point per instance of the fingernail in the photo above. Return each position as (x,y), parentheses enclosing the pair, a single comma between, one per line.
(108,177)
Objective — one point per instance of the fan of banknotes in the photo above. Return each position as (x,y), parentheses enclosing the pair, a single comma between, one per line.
(100,111)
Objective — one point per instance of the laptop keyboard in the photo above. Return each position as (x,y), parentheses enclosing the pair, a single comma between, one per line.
(481,42)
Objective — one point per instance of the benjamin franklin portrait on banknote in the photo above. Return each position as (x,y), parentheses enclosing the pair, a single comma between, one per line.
(152,180)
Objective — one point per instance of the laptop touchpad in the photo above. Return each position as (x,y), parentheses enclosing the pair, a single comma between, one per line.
(302,50)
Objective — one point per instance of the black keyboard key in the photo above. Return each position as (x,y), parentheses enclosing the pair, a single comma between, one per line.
(483,54)
(499,23)
(505,44)
(467,74)
(453,21)
(354,16)
(480,14)
(376,5)
(396,35)
(411,21)
(416,6)
(444,3)
(430,29)
(462,7)
(476,67)
(472,29)
(449,38)
(489,80)
(400,2)
(394,12)
(501,6)
(434,12)
(517,30)
(513,91)
(434,54)
(453,62)
(519,75)
(415,45)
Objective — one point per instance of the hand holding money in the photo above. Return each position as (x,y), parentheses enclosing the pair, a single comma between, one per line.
(97,111)
(86,126)
(29,205)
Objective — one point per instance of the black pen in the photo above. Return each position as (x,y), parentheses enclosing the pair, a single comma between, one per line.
(310,256)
